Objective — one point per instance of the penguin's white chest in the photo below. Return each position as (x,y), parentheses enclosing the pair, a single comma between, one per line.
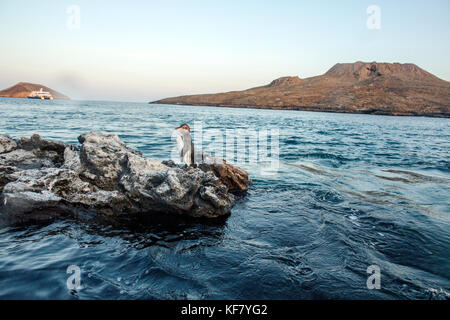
(184,144)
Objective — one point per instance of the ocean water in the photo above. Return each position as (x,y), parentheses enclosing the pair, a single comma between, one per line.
(351,191)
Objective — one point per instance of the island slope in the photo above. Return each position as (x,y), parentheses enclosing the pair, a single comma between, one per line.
(361,87)
(23,90)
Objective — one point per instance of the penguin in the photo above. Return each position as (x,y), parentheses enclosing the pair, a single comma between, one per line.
(185,144)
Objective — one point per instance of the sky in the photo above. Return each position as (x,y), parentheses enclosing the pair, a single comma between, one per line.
(148,50)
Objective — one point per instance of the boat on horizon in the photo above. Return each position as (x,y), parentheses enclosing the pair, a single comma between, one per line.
(41,94)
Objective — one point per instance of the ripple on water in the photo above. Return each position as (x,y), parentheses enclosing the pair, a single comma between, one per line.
(351,191)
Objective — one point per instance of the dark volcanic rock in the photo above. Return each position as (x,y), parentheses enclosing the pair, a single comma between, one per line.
(7,144)
(53,150)
(34,153)
(233,177)
(40,178)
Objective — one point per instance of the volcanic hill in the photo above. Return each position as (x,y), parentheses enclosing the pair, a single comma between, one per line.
(360,87)
(23,90)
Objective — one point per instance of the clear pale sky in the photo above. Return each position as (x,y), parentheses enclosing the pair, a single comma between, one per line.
(146,50)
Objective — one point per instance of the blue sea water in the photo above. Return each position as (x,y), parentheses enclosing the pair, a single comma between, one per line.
(351,191)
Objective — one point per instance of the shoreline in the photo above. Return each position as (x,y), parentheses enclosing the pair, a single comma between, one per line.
(374,111)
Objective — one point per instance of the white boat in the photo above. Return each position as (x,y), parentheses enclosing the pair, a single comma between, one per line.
(41,94)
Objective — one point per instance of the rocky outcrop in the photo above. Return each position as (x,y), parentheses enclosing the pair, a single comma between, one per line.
(234,178)
(7,144)
(285,82)
(41,178)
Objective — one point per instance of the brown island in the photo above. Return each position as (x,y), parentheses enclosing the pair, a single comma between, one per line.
(31,90)
(361,87)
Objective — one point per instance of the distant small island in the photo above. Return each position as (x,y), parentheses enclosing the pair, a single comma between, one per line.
(26,89)
(360,87)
